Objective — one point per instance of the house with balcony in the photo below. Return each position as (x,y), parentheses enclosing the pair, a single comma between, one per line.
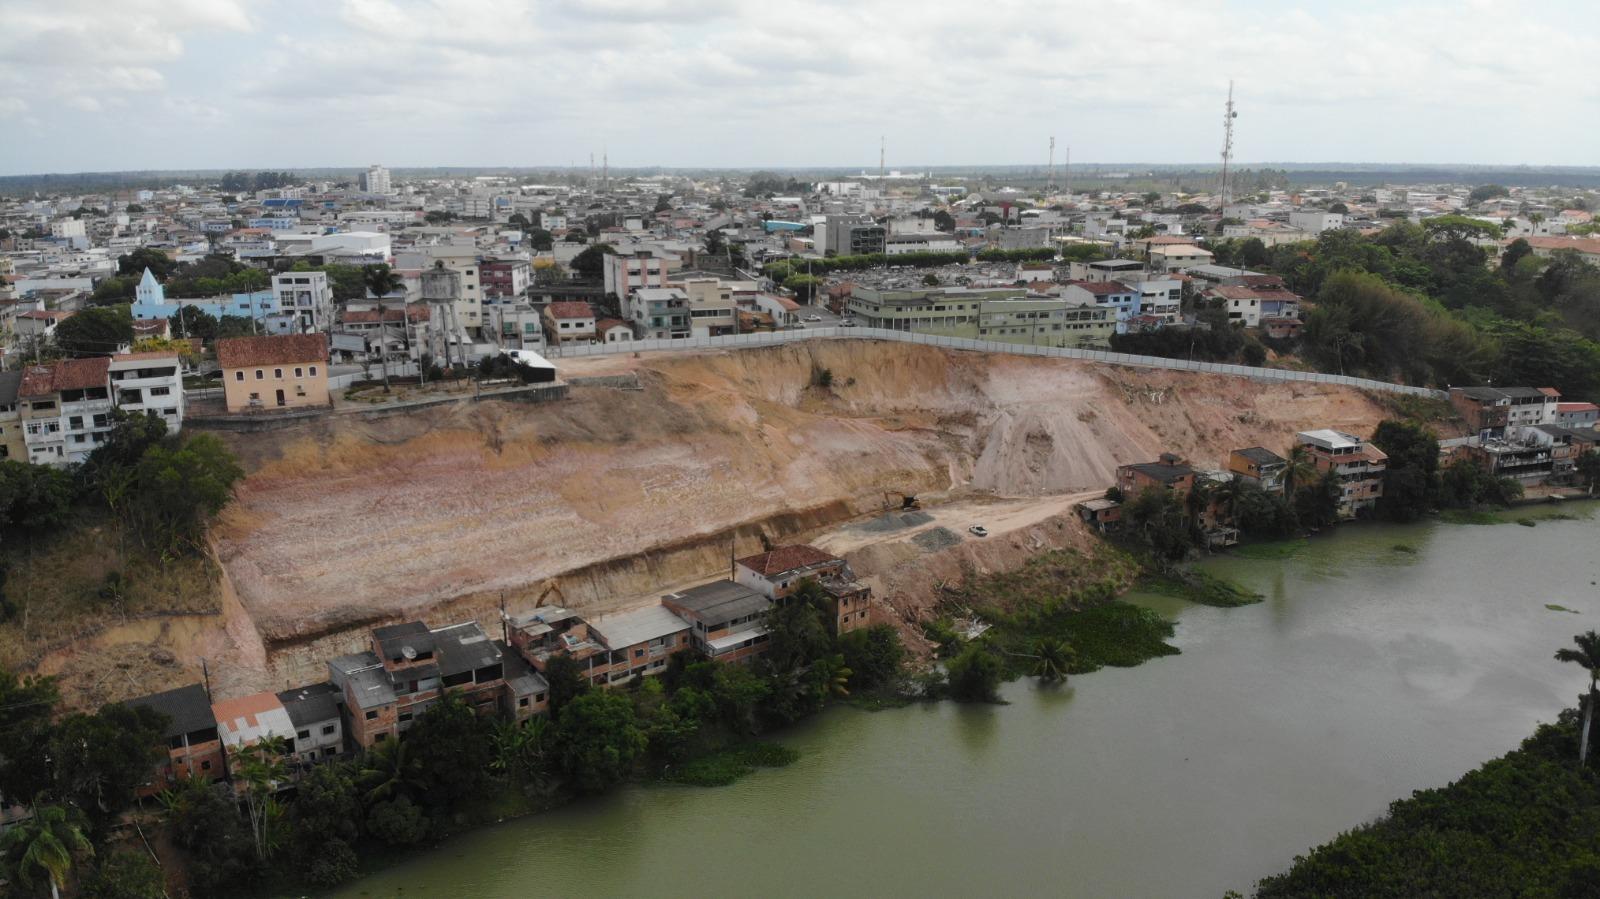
(778,573)
(1358,465)
(65,409)
(313,712)
(659,313)
(1490,412)
(551,631)
(149,383)
(639,643)
(729,619)
(306,298)
(1106,294)
(194,746)
(1169,472)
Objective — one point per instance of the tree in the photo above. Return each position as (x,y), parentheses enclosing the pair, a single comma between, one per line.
(203,817)
(99,760)
(874,654)
(380,281)
(260,767)
(125,875)
(133,264)
(1587,657)
(398,822)
(1339,208)
(97,331)
(796,633)
(26,706)
(388,770)
(453,748)
(944,221)
(34,499)
(523,749)
(1589,469)
(1300,468)
(540,239)
(324,823)
(567,682)
(1486,192)
(43,848)
(1409,477)
(716,244)
(1052,659)
(591,262)
(597,740)
(192,321)
(974,675)
(179,488)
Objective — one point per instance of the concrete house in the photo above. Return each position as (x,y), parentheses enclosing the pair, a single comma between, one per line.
(1260,466)
(287,371)
(313,712)
(777,574)
(728,619)
(1490,411)
(194,747)
(65,409)
(149,383)
(640,642)
(551,631)
(1169,472)
(12,446)
(569,322)
(247,720)
(1358,464)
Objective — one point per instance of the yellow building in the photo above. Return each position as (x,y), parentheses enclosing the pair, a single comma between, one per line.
(278,372)
(11,443)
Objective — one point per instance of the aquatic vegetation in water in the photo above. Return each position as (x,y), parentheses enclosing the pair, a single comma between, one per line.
(728,765)
(1277,549)
(1202,587)
(1404,548)
(1527,522)
(1555,607)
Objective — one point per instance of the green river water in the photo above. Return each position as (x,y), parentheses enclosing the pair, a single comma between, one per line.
(1367,673)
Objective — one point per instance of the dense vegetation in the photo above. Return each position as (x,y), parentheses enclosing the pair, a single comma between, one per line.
(1427,305)
(1526,824)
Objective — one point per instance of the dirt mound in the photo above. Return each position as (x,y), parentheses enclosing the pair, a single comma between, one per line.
(614,493)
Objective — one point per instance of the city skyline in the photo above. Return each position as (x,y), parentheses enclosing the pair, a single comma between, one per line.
(713,84)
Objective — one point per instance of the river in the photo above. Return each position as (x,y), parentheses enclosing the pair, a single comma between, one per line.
(1367,673)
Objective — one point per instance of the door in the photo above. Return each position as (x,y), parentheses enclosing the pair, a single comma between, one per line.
(280,397)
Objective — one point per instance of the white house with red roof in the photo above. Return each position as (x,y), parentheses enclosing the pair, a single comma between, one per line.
(569,322)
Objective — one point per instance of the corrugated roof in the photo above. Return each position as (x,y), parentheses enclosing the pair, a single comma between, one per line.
(719,602)
(628,628)
(188,707)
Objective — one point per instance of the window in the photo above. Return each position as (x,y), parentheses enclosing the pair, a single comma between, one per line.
(380,738)
(205,766)
(299,372)
(161,391)
(372,715)
(313,371)
(238,375)
(260,375)
(538,697)
(328,729)
(303,735)
(75,422)
(277,373)
(404,717)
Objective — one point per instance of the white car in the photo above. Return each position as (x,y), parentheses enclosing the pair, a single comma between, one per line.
(978,530)
(813,318)
(847,323)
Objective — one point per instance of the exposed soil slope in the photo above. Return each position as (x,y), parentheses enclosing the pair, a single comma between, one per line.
(613,493)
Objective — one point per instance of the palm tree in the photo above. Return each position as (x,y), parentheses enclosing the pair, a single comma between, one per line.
(522,749)
(1587,655)
(1299,470)
(388,769)
(382,281)
(1052,658)
(45,845)
(261,767)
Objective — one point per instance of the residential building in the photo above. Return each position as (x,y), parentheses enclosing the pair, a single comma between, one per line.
(408,668)
(149,383)
(12,445)
(1491,411)
(612,330)
(1358,464)
(1169,472)
(463,260)
(307,296)
(569,322)
(623,274)
(247,720)
(318,726)
(1111,294)
(527,693)
(551,631)
(951,312)
(287,371)
(778,573)
(1177,257)
(712,311)
(1315,221)
(850,235)
(375,180)
(659,313)
(729,619)
(1252,306)
(1260,466)
(470,665)
(1104,515)
(1106,270)
(1577,416)
(640,642)
(1160,298)
(1044,321)
(194,747)
(505,277)
(65,409)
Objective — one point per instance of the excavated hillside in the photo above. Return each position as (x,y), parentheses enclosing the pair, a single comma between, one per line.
(600,501)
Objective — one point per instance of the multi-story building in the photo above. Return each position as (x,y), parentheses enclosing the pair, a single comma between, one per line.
(1315,221)
(1578,416)
(659,313)
(712,311)
(778,573)
(149,383)
(951,312)
(375,180)
(569,322)
(247,720)
(1491,411)
(275,372)
(1358,464)
(1106,270)
(851,235)
(318,727)
(1259,466)
(194,747)
(729,619)
(463,260)
(623,274)
(65,409)
(551,631)
(505,277)
(1169,472)
(408,669)
(12,446)
(638,643)
(1045,321)
(1110,294)
(307,296)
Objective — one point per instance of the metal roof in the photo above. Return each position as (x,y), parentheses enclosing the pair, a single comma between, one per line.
(641,625)
(719,602)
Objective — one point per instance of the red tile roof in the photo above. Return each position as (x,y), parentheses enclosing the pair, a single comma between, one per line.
(786,558)
(606,324)
(68,374)
(1103,288)
(571,310)
(242,352)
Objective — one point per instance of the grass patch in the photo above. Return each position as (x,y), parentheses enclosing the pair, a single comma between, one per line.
(723,767)
(1202,587)
(1471,516)
(1406,548)
(1277,549)
(1555,607)
(1527,522)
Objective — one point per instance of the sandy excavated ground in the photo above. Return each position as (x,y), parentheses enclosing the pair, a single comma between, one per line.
(603,500)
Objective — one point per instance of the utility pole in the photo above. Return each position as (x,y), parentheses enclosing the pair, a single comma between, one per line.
(1066,174)
(1228,116)
(1050,179)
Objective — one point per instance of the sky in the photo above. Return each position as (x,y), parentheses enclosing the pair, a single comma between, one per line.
(109,85)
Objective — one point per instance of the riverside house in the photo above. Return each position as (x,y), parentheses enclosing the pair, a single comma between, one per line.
(194,747)
(639,643)
(777,574)
(1169,472)
(1260,466)
(729,619)
(1358,464)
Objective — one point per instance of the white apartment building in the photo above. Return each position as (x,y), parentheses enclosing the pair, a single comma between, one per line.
(375,180)
(149,382)
(65,410)
(1315,221)
(307,296)
(1161,297)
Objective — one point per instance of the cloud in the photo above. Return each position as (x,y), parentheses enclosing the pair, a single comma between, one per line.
(722,82)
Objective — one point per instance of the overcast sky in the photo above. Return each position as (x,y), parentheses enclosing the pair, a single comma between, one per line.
(98,85)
